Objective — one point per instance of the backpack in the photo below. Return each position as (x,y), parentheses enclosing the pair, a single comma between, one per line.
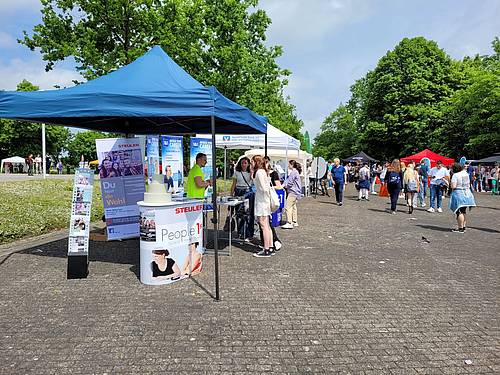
(394,178)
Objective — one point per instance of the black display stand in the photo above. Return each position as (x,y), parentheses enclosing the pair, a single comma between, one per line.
(78,266)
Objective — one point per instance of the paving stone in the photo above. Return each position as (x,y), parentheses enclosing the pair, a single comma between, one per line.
(324,305)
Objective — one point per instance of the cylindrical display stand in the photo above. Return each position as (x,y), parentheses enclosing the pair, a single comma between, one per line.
(171,241)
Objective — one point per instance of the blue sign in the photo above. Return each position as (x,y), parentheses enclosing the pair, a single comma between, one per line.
(172,160)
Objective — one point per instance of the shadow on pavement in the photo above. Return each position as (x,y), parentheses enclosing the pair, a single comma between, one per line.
(434,227)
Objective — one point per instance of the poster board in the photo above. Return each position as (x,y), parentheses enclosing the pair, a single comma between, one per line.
(122,184)
(172,160)
(152,156)
(78,239)
(171,242)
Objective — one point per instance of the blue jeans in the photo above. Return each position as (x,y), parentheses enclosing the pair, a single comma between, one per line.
(436,194)
(424,184)
(421,194)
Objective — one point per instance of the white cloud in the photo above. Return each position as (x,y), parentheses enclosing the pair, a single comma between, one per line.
(15,70)
(7,40)
(296,21)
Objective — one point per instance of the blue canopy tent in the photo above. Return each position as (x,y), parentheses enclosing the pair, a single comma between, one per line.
(152,95)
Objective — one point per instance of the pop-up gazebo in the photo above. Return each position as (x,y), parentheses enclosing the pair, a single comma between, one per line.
(152,95)
(360,157)
(12,160)
(432,156)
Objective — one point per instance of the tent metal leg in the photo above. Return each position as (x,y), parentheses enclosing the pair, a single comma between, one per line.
(214,215)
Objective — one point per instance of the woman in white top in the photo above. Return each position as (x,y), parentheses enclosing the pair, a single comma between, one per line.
(410,185)
(461,196)
(263,203)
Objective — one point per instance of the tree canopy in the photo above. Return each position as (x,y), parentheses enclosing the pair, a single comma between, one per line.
(20,138)
(218,42)
(418,97)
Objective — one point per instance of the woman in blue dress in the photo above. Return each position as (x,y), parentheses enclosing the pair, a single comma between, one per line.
(461,196)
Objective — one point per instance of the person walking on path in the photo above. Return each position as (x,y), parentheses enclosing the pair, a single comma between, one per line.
(424,176)
(59,167)
(293,187)
(38,165)
(339,176)
(263,204)
(394,180)
(29,162)
(461,196)
(410,184)
(364,182)
(440,177)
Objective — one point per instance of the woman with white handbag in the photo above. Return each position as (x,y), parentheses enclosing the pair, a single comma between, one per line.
(293,187)
(263,204)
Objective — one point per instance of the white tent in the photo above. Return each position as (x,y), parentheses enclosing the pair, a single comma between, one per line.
(275,139)
(281,156)
(13,160)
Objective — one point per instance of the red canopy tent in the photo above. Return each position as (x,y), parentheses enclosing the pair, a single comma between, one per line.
(433,157)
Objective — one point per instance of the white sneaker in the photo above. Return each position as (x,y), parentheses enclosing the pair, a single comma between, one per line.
(287,226)
(295,224)
(423,204)
(374,193)
(439,209)
(430,210)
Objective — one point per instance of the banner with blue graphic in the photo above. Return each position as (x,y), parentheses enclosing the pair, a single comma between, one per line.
(203,145)
(152,155)
(172,161)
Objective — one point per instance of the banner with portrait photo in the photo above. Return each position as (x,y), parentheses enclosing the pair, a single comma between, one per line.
(172,161)
(171,242)
(122,184)
(202,145)
(78,243)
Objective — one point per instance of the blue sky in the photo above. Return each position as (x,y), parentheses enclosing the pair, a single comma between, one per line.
(328,44)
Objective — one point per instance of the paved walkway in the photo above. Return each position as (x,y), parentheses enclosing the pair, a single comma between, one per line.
(354,290)
(5,177)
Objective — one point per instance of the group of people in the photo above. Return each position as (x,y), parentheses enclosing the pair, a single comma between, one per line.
(34,165)
(413,181)
(120,163)
(257,181)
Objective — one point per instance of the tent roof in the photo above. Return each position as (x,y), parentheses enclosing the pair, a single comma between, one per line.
(281,153)
(433,157)
(275,139)
(14,159)
(495,158)
(360,156)
(149,96)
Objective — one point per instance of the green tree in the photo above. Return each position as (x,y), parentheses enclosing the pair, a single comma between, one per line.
(473,117)
(83,143)
(219,42)
(22,138)
(407,95)
(338,137)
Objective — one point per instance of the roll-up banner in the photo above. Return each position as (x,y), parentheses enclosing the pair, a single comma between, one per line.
(203,145)
(172,161)
(122,184)
(152,155)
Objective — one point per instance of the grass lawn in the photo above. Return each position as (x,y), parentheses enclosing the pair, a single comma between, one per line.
(31,208)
